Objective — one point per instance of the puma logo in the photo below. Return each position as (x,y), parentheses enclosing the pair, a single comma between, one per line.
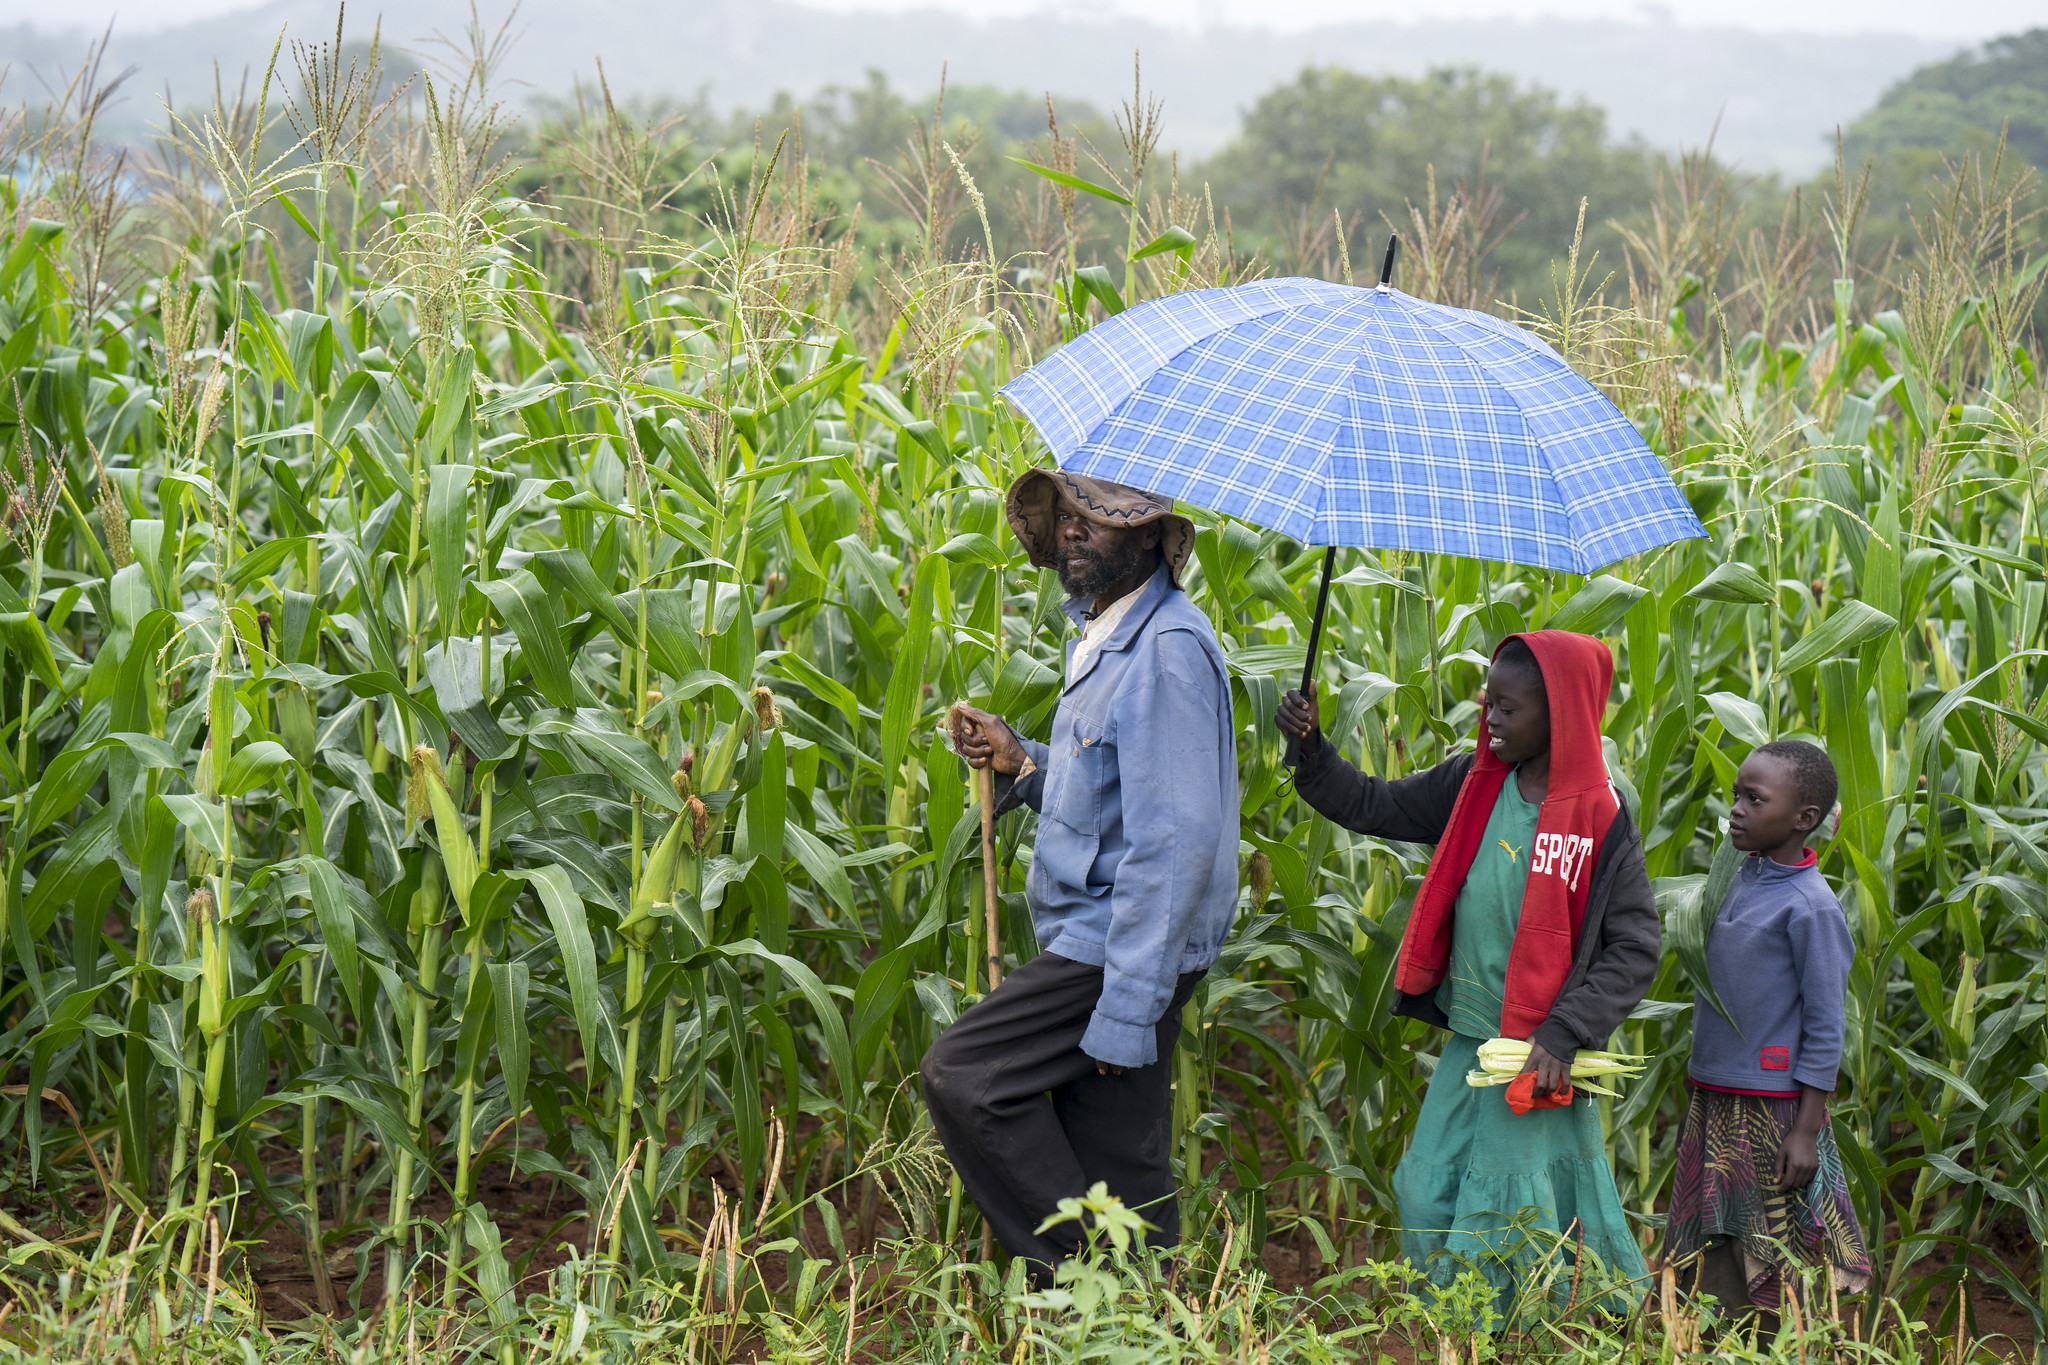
(1514,854)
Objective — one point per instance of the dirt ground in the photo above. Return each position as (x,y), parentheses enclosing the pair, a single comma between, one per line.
(540,1220)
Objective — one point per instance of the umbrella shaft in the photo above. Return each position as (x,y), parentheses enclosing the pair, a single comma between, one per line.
(1292,757)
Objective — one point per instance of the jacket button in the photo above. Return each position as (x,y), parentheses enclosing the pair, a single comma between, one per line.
(1077,751)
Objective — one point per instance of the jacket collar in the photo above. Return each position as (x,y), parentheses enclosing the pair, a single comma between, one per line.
(1149,597)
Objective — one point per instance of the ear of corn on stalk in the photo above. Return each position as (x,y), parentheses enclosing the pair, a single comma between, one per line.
(458,854)
(1503,1059)
(657,882)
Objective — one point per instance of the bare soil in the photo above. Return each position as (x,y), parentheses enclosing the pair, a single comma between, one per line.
(529,1212)
(541,1221)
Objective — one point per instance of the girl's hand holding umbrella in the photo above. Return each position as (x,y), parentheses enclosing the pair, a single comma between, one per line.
(1297,718)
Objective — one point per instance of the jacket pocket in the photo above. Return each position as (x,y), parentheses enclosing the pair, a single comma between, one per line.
(1074,787)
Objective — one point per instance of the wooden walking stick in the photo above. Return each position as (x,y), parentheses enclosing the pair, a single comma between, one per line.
(985,790)
(987,777)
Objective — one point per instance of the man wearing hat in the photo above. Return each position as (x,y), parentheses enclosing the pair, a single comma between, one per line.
(1061,1077)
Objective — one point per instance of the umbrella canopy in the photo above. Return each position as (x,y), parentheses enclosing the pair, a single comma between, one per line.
(1352,416)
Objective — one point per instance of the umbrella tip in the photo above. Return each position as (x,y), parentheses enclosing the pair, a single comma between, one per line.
(1387,266)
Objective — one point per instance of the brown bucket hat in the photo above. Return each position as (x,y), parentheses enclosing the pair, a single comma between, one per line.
(1037,492)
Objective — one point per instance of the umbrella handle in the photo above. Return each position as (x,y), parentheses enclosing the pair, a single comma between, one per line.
(1292,758)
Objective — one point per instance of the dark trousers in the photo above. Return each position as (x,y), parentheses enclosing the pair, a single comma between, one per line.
(1028,1121)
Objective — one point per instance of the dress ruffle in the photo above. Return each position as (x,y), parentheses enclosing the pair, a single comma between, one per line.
(1512,1195)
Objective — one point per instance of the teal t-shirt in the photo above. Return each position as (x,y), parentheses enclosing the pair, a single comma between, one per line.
(1483,921)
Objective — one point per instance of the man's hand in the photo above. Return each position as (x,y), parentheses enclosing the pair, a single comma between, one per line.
(1552,1075)
(982,739)
(1297,718)
(1798,1161)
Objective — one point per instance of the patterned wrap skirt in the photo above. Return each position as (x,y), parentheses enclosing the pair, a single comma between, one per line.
(1725,1188)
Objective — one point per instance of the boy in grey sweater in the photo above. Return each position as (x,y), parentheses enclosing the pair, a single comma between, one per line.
(1758,1169)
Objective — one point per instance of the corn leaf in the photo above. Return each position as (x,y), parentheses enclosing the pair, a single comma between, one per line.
(1733,583)
(1597,607)
(447,528)
(624,756)
(521,603)
(1073,182)
(1852,623)
(564,909)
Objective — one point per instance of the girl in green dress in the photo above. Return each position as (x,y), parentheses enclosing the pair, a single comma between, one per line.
(1535,921)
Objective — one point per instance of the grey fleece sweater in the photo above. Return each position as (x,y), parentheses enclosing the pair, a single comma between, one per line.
(1779,956)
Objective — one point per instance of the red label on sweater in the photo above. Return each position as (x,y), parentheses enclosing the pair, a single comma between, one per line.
(1775,1058)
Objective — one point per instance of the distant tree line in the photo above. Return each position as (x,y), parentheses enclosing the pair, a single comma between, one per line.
(1483,175)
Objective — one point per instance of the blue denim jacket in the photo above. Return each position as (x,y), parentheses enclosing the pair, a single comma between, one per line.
(1135,867)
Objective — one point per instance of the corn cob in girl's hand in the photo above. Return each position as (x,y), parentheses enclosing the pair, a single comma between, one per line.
(1502,1059)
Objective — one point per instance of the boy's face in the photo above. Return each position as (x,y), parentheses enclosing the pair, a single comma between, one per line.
(1517,714)
(1766,814)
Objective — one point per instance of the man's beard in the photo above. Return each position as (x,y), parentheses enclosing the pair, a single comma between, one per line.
(1091,574)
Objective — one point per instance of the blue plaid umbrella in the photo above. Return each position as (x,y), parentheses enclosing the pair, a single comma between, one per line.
(1346,416)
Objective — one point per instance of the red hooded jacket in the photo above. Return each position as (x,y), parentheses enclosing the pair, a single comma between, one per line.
(1579,805)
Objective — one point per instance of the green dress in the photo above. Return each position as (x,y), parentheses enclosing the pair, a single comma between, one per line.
(1476,1170)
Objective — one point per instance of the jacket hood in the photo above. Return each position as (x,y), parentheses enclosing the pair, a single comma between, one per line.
(1578,675)
(1579,806)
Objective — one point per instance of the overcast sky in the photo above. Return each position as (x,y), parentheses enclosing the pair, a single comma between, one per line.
(1960,20)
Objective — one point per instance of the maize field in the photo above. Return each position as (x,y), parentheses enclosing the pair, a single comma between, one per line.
(482,861)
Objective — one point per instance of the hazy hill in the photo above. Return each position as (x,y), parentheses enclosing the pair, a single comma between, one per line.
(1920,127)
(1966,101)
(1777,95)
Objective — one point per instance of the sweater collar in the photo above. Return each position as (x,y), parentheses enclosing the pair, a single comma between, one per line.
(1758,868)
